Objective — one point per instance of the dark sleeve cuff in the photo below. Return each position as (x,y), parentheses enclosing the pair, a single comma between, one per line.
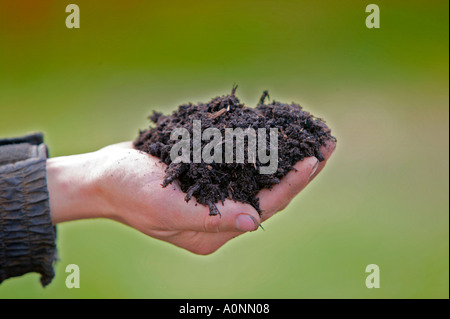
(27,235)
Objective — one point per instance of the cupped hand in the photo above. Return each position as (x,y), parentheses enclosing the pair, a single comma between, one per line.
(124,184)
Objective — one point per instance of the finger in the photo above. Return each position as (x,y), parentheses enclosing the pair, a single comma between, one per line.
(326,151)
(275,199)
(279,197)
(233,216)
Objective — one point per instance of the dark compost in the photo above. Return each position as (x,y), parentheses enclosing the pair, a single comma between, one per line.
(300,135)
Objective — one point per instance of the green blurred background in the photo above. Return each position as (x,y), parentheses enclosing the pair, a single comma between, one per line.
(382,199)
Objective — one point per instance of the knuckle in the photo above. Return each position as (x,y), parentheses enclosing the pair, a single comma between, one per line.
(212,223)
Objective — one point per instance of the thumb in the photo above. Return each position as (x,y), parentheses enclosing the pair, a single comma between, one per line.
(233,216)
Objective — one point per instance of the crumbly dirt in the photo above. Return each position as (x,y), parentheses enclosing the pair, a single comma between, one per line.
(300,135)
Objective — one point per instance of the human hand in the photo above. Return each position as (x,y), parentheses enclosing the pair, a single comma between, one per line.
(123,184)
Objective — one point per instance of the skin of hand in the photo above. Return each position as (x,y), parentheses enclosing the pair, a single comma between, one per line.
(124,184)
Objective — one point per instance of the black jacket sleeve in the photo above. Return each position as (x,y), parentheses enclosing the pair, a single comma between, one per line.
(27,235)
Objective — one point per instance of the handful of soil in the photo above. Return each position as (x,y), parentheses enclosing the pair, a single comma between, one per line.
(299,135)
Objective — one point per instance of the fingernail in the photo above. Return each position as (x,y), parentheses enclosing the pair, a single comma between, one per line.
(246,223)
(313,171)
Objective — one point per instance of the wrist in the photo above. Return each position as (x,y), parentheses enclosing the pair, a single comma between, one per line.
(72,183)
